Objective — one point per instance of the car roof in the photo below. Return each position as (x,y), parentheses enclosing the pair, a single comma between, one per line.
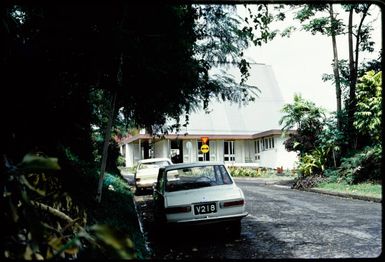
(154,160)
(195,164)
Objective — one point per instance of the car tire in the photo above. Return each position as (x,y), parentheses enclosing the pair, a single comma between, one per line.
(159,217)
(235,228)
(138,191)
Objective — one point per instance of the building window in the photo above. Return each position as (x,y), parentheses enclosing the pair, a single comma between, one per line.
(256,143)
(203,156)
(257,149)
(229,154)
(267,143)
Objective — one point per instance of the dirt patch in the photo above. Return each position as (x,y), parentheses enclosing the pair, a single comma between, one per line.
(307,182)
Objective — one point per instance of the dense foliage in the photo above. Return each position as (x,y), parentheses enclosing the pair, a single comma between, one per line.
(347,144)
(71,70)
(325,143)
(307,119)
(41,220)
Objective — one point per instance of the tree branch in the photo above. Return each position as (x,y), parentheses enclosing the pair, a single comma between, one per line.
(52,211)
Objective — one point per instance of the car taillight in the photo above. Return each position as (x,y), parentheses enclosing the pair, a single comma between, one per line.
(233,203)
(180,209)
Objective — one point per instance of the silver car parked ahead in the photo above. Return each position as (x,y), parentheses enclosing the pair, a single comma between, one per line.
(147,172)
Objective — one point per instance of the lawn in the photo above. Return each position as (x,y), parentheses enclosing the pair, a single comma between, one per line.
(363,189)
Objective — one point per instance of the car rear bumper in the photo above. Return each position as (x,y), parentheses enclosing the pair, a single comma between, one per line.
(148,185)
(209,220)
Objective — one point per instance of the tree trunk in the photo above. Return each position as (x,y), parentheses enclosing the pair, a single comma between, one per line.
(352,81)
(336,70)
(105,148)
(353,73)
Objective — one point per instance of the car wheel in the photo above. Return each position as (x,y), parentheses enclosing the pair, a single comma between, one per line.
(138,191)
(158,209)
(159,217)
(235,228)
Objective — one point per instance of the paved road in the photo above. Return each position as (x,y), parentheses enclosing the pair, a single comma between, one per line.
(282,223)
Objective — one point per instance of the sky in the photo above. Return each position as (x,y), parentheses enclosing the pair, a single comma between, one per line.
(300,61)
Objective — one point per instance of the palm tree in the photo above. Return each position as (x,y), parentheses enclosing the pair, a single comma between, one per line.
(301,114)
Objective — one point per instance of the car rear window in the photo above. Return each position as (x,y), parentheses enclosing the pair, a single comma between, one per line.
(197,177)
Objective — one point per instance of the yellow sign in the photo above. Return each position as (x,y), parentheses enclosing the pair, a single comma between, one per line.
(204,148)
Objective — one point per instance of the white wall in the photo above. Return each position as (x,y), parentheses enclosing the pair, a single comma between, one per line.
(284,158)
(136,153)
(129,155)
(269,158)
(278,156)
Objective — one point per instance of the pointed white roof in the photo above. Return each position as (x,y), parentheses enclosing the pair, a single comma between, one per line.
(230,118)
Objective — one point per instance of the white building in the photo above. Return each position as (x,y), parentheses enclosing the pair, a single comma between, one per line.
(237,135)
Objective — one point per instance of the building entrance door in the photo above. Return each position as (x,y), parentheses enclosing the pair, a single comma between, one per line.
(176,151)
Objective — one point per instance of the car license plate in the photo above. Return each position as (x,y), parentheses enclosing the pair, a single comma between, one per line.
(205,208)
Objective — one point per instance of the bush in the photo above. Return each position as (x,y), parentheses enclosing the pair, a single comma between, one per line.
(118,221)
(242,172)
(332,175)
(251,172)
(312,163)
(121,161)
(365,165)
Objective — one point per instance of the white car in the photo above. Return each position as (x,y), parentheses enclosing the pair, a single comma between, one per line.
(196,193)
(147,172)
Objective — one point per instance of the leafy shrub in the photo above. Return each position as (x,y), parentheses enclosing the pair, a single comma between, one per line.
(251,172)
(236,172)
(312,163)
(367,118)
(332,175)
(117,183)
(40,220)
(242,172)
(120,161)
(365,165)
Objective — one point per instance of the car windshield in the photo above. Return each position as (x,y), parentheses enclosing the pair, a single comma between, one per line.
(196,177)
(155,164)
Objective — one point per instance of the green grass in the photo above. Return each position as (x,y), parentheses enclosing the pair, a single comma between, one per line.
(364,189)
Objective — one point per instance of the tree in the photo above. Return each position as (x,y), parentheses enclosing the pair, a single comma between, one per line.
(331,140)
(362,43)
(155,65)
(329,25)
(185,72)
(367,117)
(307,118)
(359,40)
